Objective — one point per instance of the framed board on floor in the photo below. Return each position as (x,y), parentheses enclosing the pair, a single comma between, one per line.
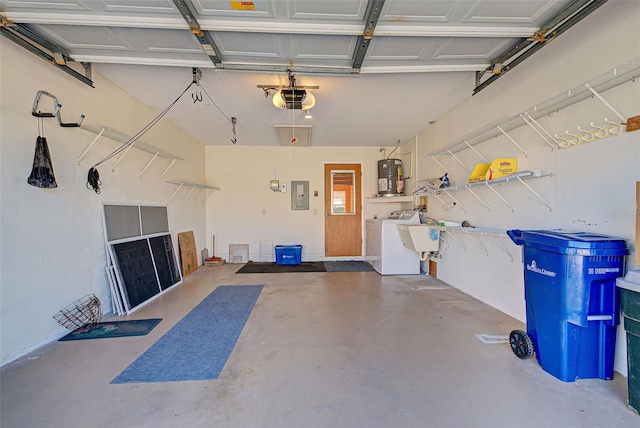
(141,253)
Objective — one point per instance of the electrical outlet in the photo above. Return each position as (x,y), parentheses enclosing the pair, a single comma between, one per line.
(264,211)
(283,187)
(315,211)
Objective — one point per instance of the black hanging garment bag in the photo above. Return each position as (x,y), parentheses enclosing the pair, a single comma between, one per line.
(42,172)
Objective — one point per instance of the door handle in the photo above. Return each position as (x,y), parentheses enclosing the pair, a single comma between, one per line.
(327,214)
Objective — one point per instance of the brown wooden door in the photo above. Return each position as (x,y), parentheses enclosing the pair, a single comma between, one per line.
(342,210)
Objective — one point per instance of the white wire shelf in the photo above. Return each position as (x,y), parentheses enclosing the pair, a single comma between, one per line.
(193,186)
(121,137)
(523,175)
(390,199)
(520,177)
(483,231)
(471,233)
(612,78)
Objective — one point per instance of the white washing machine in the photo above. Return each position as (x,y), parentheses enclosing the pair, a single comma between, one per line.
(385,251)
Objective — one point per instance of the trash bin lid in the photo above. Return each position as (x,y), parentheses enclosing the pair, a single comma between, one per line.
(631,281)
(567,242)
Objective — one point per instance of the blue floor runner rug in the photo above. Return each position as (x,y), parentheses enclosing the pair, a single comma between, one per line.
(198,346)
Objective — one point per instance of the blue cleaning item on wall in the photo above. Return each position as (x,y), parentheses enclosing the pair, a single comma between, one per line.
(435,235)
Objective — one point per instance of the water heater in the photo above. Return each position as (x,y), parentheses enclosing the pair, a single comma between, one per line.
(390,177)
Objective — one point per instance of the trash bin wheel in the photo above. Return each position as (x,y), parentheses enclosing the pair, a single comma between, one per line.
(521,344)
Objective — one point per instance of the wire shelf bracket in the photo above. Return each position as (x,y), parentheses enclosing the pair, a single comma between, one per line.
(476,151)
(457,240)
(601,98)
(512,140)
(478,198)
(458,159)
(535,193)
(504,250)
(530,123)
(439,163)
(500,196)
(478,244)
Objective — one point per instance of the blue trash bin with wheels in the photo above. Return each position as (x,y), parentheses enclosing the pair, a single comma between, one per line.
(571,300)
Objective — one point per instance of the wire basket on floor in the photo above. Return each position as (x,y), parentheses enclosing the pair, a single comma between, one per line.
(84,312)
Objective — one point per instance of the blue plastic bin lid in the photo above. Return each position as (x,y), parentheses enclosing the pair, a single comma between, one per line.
(568,242)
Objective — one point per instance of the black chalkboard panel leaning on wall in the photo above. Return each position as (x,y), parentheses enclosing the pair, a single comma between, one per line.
(162,250)
(141,252)
(137,271)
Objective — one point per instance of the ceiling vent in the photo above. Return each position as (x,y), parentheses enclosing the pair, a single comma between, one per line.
(291,136)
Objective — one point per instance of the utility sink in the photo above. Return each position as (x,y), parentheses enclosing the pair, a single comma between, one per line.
(419,237)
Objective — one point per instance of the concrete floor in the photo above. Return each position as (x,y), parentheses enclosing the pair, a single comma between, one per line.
(319,350)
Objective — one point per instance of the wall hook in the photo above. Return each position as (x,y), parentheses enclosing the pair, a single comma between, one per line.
(574,140)
(616,125)
(564,143)
(601,132)
(38,113)
(56,111)
(587,137)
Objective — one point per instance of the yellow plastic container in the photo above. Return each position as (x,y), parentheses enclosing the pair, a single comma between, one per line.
(500,167)
(479,173)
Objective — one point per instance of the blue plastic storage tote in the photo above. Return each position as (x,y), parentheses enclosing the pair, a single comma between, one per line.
(288,254)
(571,300)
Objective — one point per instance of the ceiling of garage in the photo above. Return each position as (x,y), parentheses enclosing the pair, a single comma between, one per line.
(384,69)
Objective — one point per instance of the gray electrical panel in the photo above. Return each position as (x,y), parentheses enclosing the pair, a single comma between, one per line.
(299,195)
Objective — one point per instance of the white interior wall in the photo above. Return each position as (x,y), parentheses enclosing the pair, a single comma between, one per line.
(52,239)
(235,213)
(592,188)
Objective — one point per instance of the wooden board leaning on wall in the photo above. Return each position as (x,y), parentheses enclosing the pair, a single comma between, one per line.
(188,256)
